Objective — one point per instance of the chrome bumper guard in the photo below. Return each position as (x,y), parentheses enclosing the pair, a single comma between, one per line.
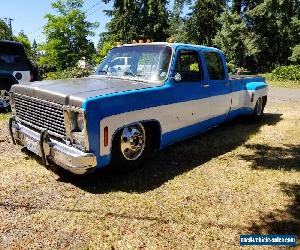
(67,157)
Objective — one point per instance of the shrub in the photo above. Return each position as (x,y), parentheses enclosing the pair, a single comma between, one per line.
(291,72)
(295,57)
(68,73)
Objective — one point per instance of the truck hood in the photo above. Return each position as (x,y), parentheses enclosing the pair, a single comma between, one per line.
(74,92)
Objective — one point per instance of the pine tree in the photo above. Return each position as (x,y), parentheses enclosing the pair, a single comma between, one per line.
(138,19)
(177,30)
(276,24)
(203,25)
(5,33)
(230,38)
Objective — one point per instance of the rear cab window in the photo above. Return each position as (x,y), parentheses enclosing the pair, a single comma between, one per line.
(13,58)
(5,62)
(214,65)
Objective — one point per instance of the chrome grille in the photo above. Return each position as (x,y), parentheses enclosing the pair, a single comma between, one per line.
(40,114)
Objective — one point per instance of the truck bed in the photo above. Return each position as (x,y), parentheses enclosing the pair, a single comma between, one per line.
(241,77)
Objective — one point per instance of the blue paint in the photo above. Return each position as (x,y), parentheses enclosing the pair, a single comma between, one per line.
(100,107)
(189,131)
(256,85)
(239,112)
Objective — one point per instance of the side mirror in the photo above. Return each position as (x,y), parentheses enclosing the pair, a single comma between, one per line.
(177,77)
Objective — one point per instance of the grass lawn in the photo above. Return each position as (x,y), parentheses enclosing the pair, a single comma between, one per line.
(240,178)
(4,116)
(284,84)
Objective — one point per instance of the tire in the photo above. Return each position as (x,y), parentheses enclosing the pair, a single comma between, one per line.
(131,146)
(258,110)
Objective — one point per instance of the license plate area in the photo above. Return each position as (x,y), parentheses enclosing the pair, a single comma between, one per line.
(32,145)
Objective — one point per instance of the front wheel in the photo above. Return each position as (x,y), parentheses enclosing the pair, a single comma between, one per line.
(259,109)
(131,146)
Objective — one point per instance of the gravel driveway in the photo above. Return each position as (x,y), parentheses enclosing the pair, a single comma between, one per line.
(283,94)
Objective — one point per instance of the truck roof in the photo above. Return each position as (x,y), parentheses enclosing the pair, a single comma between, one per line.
(173,45)
(10,43)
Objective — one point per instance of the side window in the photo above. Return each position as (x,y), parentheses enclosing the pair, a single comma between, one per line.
(18,58)
(214,66)
(5,62)
(188,66)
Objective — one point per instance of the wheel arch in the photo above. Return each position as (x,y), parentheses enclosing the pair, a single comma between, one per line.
(155,129)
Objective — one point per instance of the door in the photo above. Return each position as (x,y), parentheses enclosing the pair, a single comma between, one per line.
(217,84)
(189,113)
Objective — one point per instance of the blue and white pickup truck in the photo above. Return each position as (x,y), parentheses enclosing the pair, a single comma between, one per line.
(143,97)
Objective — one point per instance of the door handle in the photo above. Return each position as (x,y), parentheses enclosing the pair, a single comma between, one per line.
(205,86)
(227,84)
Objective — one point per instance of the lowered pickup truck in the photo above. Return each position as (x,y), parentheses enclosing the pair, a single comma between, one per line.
(167,93)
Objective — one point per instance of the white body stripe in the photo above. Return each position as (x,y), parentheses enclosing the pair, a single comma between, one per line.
(179,115)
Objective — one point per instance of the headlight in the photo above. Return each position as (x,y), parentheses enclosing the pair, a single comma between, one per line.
(76,127)
(77,121)
(80,121)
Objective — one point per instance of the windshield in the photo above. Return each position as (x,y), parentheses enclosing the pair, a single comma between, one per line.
(145,62)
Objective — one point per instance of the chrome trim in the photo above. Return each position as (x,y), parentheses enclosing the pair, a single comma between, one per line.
(40,114)
(37,127)
(12,103)
(133,141)
(69,158)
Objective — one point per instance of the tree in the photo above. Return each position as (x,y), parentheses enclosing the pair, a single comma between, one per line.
(275,23)
(67,35)
(23,38)
(105,44)
(177,30)
(295,57)
(5,33)
(34,50)
(138,19)
(230,38)
(155,16)
(203,25)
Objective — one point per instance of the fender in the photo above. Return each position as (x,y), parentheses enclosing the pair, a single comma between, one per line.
(153,122)
(256,90)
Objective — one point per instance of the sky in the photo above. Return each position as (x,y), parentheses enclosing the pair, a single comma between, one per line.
(28,15)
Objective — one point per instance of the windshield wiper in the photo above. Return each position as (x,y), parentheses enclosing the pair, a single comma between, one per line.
(102,71)
(126,73)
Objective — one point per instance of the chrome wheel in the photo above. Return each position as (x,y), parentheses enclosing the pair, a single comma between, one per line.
(133,141)
(259,106)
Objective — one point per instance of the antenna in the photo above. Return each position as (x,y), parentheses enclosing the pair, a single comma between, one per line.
(9,23)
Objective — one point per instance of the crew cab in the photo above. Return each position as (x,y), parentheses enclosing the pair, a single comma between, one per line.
(168,93)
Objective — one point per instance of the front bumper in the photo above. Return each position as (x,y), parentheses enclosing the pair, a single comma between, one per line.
(69,158)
